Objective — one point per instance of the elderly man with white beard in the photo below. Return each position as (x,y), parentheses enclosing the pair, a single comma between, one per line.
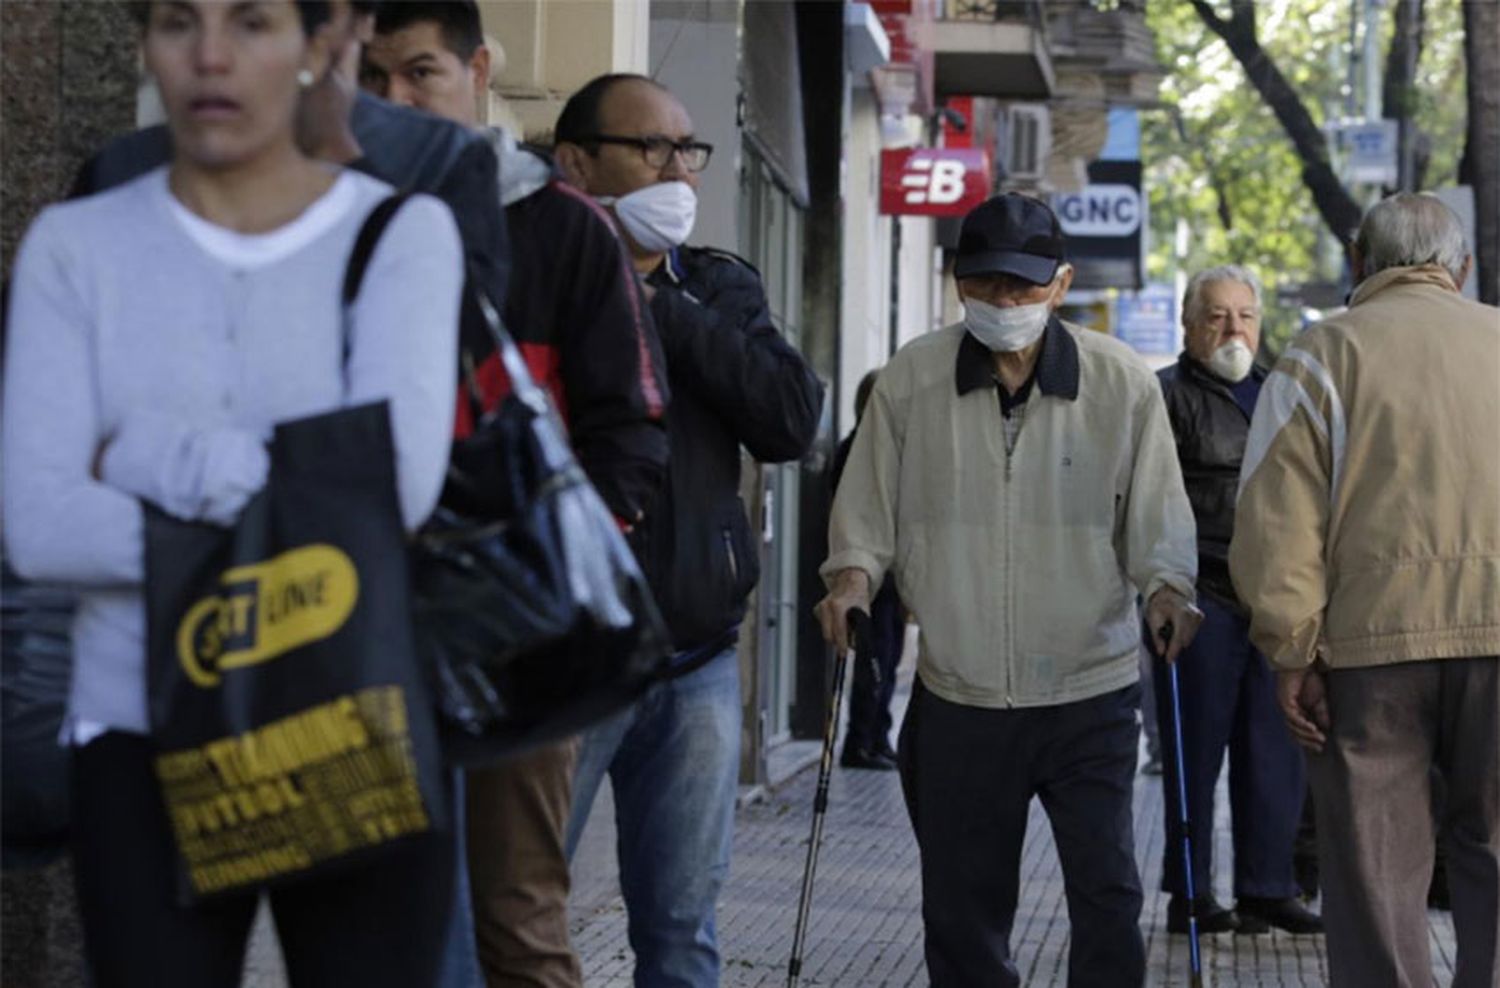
(1228,690)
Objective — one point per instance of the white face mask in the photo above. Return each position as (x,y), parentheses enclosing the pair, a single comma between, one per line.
(1232,361)
(657,217)
(1005,328)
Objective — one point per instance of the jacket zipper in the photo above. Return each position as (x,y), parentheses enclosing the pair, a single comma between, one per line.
(1010,608)
(734,563)
(1010,595)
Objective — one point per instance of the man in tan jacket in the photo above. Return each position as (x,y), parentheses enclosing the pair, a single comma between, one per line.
(1367,547)
(1017,475)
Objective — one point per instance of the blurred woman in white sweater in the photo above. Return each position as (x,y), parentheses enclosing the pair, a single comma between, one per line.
(157,332)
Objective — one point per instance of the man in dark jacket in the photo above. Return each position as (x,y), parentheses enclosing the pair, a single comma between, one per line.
(1228,691)
(574,304)
(673,757)
(868,742)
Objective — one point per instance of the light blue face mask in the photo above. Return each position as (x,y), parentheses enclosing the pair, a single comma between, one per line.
(659,216)
(1008,328)
(1005,329)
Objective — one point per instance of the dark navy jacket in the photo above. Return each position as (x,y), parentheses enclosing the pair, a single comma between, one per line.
(1210,428)
(735,382)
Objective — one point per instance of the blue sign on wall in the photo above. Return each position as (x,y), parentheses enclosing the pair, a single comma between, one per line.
(1148,320)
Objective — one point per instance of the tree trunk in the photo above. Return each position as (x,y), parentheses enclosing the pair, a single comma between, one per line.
(1398,94)
(1334,203)
(1481,164)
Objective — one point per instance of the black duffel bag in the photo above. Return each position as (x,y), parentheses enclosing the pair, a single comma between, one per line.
(36,663)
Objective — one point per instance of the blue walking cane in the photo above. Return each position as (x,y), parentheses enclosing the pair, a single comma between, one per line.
(1195,959)
(860,637)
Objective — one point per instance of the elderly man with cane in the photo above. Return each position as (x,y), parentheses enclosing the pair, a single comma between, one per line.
(1018,476)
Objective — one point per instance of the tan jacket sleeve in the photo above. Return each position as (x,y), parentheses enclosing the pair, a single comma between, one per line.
(1277,556)
(862,529)
(1161,538)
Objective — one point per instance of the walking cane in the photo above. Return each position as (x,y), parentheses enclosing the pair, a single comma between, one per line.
(1195,959)
(859,637)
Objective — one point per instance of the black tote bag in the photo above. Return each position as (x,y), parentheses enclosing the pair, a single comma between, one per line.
(293,724)
(293,727)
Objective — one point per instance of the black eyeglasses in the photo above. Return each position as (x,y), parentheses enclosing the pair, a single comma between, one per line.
(659,150)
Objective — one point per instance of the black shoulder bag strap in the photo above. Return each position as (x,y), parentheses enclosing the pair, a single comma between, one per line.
(359,260)
(364,244)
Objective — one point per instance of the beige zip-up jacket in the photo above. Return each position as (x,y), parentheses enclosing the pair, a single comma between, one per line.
(1021,567)
(1368,525)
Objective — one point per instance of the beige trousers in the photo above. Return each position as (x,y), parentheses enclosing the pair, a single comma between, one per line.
(1390,726)
(518,868)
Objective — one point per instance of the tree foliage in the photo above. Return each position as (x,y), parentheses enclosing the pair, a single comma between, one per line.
(1222,161)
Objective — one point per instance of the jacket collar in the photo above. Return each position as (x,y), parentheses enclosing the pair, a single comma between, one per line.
(523,171)
(671,266)
(671,271)
(1056,367)
(1434,275)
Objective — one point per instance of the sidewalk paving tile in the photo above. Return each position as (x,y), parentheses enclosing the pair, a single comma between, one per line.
(865,927)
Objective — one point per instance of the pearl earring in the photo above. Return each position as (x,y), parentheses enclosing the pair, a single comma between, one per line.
(305,78)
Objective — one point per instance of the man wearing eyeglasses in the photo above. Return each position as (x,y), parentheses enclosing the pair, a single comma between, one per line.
(673,758)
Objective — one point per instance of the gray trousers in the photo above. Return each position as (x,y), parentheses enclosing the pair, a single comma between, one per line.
(1390,726)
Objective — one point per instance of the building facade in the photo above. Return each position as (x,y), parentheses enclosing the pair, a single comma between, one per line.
(805,102)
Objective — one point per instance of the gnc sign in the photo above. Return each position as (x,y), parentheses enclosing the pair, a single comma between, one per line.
(933,181)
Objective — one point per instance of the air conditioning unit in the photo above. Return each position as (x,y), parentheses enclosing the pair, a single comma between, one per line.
(1028,141)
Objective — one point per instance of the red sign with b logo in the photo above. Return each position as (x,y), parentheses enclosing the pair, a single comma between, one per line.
(933,181)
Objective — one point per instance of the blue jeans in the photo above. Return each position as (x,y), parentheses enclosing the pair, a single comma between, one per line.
(1228,694)
(673,760)
(460,967)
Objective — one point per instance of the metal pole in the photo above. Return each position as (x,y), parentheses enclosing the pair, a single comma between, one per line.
(895,286)
(1353,54)
(1372,77)
(1372,60)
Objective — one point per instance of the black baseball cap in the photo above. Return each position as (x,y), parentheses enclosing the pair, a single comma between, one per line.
(1010,234)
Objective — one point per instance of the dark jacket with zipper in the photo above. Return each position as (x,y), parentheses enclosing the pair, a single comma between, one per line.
(735,382)
(576,311)
(1210,428)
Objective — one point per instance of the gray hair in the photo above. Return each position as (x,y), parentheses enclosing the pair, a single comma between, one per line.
(1192,299)
(1408,229)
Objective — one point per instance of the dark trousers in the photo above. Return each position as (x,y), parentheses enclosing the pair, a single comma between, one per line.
(384,924)
(875,674)
(1228,696)
(969,774)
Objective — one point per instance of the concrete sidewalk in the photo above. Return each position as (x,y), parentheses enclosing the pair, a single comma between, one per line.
(866,927)
(866,923)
